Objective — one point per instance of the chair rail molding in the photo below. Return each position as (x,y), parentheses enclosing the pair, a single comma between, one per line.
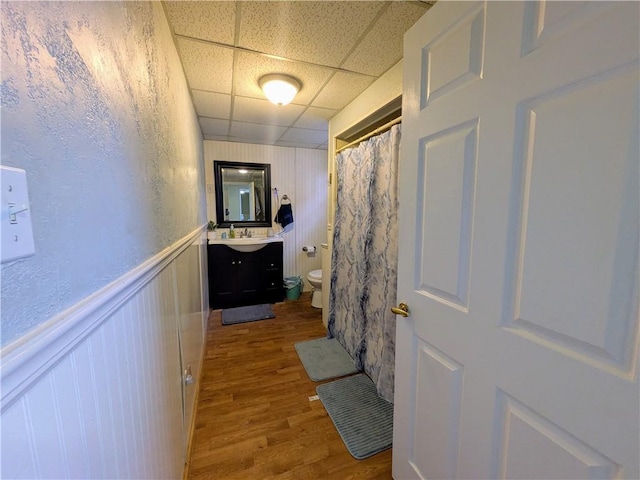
(24,361)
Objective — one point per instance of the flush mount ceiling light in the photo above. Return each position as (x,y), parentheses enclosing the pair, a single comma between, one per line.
(278,88)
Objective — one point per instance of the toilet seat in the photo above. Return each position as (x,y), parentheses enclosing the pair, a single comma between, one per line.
(315,275)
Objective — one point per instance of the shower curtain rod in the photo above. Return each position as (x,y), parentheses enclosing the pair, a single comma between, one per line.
(366,136)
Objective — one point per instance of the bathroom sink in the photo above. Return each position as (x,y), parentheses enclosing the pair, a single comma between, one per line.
(246,244)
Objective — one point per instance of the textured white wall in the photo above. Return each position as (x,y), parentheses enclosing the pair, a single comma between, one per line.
(301,173)
(95,108)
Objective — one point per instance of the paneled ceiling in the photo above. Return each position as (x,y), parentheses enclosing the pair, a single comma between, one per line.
(335,48)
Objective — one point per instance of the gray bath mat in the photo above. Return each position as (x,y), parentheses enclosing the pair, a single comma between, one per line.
(231,316)
(325,358)
(362,418)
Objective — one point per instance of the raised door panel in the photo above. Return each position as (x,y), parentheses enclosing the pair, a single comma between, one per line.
(531,446)
(575,232)
(447,166)
(434,451)
(443,73)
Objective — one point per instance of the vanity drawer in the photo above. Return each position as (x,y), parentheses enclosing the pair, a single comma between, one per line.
(273,278)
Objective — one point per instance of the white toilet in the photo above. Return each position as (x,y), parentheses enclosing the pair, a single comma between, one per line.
(315,279)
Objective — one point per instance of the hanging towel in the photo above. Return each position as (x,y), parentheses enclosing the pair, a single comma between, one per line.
(285,215)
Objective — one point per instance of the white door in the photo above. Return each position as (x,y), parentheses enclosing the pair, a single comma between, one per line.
(519,212)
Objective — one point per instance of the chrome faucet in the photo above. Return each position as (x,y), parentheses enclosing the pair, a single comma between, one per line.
(246,232)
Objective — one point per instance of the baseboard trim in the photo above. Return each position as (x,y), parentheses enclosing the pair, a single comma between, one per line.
(25,360)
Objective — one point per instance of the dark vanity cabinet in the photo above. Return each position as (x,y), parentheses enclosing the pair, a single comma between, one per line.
(244,278)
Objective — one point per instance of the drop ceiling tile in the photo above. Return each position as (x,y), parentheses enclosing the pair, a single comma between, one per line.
(253,140)
(219,138)
(341,90)
(296,145)
(214,21)
(374,57)
(315,118)
(255,133)
(306,30)
(253,110)
(303,135)
(214,126)
(210,104)
(206,66)
(250,67)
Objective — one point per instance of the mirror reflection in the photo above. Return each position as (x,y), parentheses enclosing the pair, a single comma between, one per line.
(242,193)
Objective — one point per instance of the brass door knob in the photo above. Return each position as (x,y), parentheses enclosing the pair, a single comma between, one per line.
(401,309)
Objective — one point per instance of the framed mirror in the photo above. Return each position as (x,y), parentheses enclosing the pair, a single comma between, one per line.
(243,194)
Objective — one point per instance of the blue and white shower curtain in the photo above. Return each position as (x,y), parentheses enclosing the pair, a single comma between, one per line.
(364,261)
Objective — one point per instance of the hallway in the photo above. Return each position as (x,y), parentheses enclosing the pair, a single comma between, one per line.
(254,419)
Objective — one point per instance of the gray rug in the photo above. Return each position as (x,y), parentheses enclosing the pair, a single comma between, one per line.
(325,358)
(362,418)
(231,316)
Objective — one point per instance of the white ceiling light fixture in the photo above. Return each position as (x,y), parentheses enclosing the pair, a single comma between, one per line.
(278,88)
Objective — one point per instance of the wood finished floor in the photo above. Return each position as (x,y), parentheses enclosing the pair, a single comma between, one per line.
(254,419)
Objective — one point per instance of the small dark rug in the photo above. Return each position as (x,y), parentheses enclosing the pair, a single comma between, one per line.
(362,418)
(325,358)
(251,313)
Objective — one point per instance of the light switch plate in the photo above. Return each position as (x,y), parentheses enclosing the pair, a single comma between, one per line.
(15,221)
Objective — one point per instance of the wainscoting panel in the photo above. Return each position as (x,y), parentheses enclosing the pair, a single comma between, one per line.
(17,455)
(190,329)
(112,405)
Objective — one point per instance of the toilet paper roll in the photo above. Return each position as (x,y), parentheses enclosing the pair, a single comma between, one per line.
(309,248)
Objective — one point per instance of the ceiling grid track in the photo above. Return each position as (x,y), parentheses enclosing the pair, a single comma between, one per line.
(238,48)
(236,40)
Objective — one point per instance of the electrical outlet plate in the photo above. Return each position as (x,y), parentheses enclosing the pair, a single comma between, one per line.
(16,233)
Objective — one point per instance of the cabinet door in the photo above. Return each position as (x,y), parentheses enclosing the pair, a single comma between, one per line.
(222,276)
(249,277)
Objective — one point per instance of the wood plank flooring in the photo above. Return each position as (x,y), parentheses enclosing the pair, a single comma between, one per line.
(254,419)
